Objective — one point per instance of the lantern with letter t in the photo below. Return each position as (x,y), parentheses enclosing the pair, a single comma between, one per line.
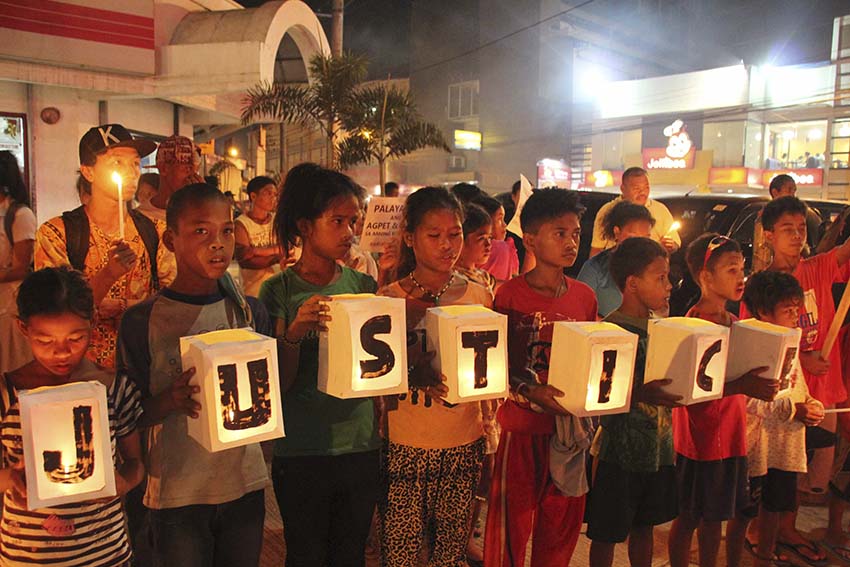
(236,370)
(754,343)
(471,346)
(593,364)
(692,353)
(364,351)
(67,447)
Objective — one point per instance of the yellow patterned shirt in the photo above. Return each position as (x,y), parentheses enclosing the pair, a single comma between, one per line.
(132,287)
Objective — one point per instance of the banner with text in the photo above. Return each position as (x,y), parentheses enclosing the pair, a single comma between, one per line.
(382,224)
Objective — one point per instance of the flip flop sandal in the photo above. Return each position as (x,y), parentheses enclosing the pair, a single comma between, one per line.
(775,560)
(840,551)
(796,547)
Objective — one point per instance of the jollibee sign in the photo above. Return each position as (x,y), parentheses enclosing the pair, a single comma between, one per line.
(679,153)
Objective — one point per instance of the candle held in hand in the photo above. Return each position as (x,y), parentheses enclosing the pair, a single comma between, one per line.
(116,177)
(673,227)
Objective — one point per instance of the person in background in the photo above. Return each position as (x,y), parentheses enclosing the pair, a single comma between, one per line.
(177,163)
(477,243)
(257,252)
(526,261)
(17,241)
(148,187)
(503,263)
(237,209)
(358,259)
(624,220)
(391,189)
(635,188)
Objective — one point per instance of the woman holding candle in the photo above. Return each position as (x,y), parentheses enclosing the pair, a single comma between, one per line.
(56,311)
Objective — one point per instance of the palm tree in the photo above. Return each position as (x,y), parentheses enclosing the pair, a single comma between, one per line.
(382,124)
(320,103)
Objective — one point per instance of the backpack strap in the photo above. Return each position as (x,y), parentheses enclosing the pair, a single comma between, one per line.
(147,231)
(234,292)
(77,232)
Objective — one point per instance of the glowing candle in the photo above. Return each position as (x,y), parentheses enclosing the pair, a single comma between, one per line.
(116,177)
(673,227)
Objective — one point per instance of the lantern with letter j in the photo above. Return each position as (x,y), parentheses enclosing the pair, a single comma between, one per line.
(67,447)
(754,343)
(471,346)
(692,353)
(236,370)
(593,364)
(364,351)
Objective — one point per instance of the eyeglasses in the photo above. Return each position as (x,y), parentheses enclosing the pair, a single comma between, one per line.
(713,245)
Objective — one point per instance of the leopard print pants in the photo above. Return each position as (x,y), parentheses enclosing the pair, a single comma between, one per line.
(428,500)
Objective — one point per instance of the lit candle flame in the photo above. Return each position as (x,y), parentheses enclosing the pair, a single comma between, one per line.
(674,227)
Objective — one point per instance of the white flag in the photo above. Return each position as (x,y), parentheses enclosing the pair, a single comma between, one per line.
(525,190)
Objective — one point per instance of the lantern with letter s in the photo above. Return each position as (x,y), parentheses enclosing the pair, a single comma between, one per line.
(692,353)
(67,447)
(471,346)
(593,364)
(364,351)
(236,370)
(754,343)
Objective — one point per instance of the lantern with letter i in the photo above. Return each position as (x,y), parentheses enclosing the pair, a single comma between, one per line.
(692,353)
(67,447)
(754,343)
(364,351)
(593,364)
(471,346)
(236,370)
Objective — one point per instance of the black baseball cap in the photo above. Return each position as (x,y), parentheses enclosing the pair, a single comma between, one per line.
(101,138)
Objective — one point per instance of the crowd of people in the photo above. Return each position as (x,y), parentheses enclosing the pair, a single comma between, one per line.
(87,297)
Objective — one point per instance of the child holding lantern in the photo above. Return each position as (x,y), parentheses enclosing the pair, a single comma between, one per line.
(633,466)
(56,311)
(205,507)
(710,438)
(435,450)
(525,504)
(331,444)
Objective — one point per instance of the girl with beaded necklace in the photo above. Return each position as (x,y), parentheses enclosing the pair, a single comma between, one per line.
(433,460)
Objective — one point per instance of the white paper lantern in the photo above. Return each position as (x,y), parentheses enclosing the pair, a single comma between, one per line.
(692,353)
(237,372)
(593,364)
(471,346)
(67,447)
(754,343)
(364,351)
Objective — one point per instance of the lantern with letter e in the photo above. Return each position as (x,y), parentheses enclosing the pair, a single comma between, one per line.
(364,351)
(236,370)
(67,447)
(692,353)
(593,364)
(754,343)
(471,346)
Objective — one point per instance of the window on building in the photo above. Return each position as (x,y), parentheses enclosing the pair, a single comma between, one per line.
(795,145)
(463,100)
(726,140)
(840,149)
(616,146)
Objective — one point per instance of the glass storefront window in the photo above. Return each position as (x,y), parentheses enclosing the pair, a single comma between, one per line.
(795,145)
(615,146)
(726,139)
(840,149)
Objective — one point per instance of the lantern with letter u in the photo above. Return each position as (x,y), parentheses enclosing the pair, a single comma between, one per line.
(593,364)
(67,447)
(692,353)
(471,346)
(236,370)
(754,343)
(364,351)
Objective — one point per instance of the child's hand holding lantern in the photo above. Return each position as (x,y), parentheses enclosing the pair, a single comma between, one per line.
(312,316)
(180,395)
(653,393)
(423,376)
(754,385)
(809,413)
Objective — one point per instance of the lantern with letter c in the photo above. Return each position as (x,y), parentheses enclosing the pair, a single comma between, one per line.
(364,351)
(593,364)
(754,343)
(471,346)
(67,446)
(692,353)
(236,370)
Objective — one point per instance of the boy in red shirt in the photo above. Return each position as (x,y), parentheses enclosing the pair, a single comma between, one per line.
(525,505)
(784,222)
(711,438)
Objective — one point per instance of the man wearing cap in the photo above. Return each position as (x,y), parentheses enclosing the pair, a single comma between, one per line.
(88,238)
(177,160)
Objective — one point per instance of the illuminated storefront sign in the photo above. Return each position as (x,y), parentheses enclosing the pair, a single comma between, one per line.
(734,176)
(553,173)
(603,178)
(467,140)
(679,153)
(812,177)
